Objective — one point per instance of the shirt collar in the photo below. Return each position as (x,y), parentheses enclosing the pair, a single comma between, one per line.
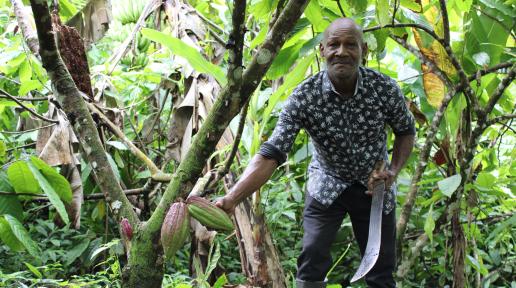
(329,88)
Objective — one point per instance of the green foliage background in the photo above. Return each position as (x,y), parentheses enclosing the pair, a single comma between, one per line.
(35,251)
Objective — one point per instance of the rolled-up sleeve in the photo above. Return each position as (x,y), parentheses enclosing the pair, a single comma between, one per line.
(398,115)
(285,132)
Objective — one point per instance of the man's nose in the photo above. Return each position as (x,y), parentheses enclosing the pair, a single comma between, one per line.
(341,51)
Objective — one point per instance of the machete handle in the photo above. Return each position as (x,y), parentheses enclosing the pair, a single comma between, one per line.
(379,166)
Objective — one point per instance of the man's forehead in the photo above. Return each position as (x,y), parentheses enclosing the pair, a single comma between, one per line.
(343,24)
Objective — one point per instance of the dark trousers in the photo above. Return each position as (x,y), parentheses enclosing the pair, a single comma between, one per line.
(320,228)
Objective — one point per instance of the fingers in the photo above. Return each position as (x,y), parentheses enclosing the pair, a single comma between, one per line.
(225,205)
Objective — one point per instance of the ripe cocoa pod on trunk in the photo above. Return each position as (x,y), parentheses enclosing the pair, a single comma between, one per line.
(175,229)
(208,214)
(126,228)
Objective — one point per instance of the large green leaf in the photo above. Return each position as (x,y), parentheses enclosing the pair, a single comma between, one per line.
(186,51)
(76,251)
(291,80)
(382,12)
(314,13)
(9,204)
(8,237)
(52,195)
(282,63)
(56,180)
(22,235)
(21,178)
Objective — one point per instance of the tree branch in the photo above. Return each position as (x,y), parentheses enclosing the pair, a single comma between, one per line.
(340,8)
(9,96)
(234,149)
(424,154)
(28,130)
(26,98)
(405,25)
(446,23)
(492,69)
(24,22)
(72,102)
(500,119)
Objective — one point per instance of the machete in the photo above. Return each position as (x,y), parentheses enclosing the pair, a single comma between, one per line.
(375,228)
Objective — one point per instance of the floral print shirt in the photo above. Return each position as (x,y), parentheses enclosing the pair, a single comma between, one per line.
(348,134)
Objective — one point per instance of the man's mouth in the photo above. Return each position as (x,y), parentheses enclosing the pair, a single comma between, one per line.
(342,62)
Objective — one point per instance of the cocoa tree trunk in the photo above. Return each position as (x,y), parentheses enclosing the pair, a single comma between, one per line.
(145,262)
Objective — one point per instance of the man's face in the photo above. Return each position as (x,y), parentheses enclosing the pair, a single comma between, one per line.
(343,49)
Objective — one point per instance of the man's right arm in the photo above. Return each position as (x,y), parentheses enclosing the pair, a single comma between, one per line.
(255,175)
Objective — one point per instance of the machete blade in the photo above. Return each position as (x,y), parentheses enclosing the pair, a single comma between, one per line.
(375,233)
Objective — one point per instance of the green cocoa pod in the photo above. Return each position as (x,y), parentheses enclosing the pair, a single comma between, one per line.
(208,214)
(175,229)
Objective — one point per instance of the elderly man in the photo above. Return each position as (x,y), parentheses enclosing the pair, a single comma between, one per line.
(345,110)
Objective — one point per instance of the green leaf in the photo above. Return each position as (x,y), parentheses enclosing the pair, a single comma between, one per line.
(112,163)
(283,61)
(450,184)
(118,145)
(260,37)
(358,6)
(28,86)
(9,204)
(430,224)
(411,4)
(485,180)
(22,179)
(8,237)
(3,149)
(52,195)
(382,12)
(477,265)
(34,270)
(25,72)
(56,180)
(66,9)
(76,251)
(221,281)
(314,13)
(381,37)
(500,7)
(291,80)
(22,235)
(186,51)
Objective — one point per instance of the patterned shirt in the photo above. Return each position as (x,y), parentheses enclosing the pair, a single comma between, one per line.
(348,134)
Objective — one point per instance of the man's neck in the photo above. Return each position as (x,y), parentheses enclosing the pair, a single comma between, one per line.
(345,86)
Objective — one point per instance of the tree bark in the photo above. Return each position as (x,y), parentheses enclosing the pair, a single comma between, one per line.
(261,259)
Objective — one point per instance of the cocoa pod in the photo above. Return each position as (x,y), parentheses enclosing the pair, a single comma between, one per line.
(208,214)
(127,230)
(175,229)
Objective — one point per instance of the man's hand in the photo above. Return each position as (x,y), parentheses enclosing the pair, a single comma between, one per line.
(388,176)
(226,203)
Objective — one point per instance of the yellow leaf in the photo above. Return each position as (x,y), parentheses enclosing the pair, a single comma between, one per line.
(434,87)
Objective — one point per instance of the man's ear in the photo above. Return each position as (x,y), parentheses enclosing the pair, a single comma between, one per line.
(321,49)
(365,51)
